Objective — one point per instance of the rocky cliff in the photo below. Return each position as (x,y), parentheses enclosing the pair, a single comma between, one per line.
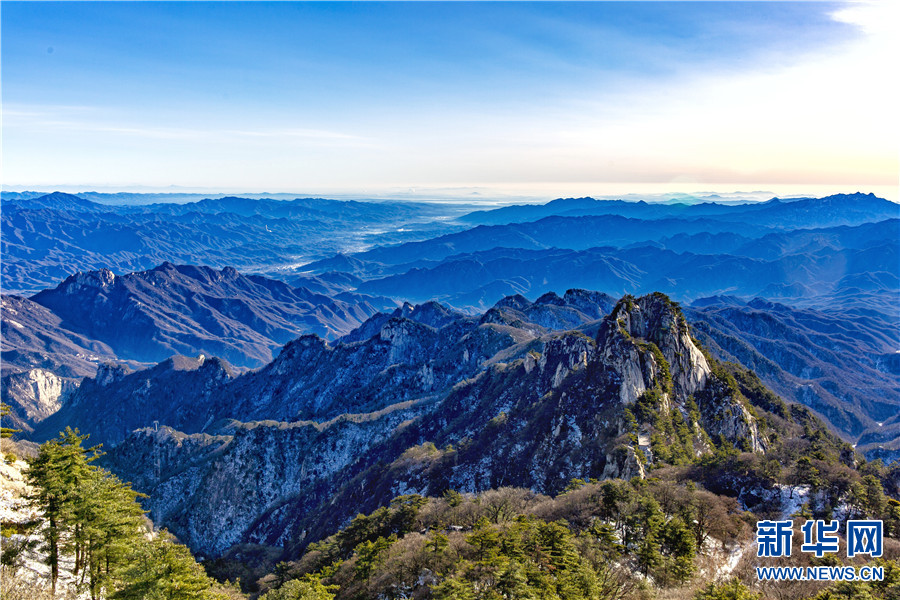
(440,413)
(34,395)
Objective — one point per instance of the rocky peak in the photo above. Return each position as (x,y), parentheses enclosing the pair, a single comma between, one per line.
(565,354)
(404,311)
(654,327)
(109,373)
(407,338)
(165,267)
(551,298)
(305,349)
(516,410)
(91,280)
(34,395)
(430,313)
(516,301)
(216,367)
(593,304)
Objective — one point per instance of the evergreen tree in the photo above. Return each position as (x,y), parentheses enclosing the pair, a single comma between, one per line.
(6,432)
(452,589)
(56,474)
(92,515)
(109,522)
(730,590)
(161,569)
(310,588)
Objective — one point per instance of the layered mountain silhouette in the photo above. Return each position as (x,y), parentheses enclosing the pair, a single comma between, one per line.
(47,238)
(840,209)
(150,315)
(800,265)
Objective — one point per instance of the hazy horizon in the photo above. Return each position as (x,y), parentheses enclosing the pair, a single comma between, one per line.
(486,196)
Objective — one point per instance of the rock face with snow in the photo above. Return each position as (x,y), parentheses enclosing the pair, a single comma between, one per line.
(34,395)
(245,478)
(179,392)
(455,403)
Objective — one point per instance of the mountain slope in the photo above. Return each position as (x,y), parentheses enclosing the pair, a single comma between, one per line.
(150,315)
(829,361)
(412,355)
(547,413)
(33,337)
(575,233)
(459,279)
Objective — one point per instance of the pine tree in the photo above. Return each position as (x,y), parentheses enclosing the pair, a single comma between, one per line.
(301,589)
(110,525)
(91,514)
(161,569)
(62,465)
(730,590)
(5,432)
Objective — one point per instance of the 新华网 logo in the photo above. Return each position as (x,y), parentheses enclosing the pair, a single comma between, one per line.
(773,538)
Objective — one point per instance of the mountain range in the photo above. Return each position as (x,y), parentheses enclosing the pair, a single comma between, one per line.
(50,237)
(840,209)
(470,405)
(809,251)
(148,316)
(821,331)
(264,406)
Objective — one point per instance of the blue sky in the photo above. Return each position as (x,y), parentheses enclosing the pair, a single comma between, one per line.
(540,98)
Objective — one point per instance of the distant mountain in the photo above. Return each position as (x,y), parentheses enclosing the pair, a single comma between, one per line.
(580,207)
(33,337)
(54,201)
(686,276)
(769,249)
(47,238)
(840,209)
(811,213)
(110,405)
(33,396)
(42,361)
(329,283)
(575,233)
(150,315)
(119,323)
(427,373)
(776,245)
(829,361)
(375,366)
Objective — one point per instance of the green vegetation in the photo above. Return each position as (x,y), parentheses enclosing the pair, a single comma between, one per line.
(672,434)
(90,515)
(297,589)
(599,540)
(609,539)
(595,540)
(6,432)
(886,589)
(731,590)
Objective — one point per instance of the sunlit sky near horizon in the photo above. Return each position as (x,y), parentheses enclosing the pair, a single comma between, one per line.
(541,99)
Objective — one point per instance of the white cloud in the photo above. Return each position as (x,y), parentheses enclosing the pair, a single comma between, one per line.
(874,18)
